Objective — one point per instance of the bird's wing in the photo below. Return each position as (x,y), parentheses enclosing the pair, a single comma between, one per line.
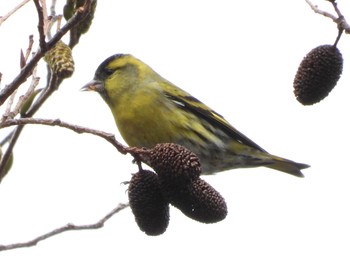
(187,102)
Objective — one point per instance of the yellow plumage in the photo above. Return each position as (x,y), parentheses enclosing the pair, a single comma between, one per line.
(148,110)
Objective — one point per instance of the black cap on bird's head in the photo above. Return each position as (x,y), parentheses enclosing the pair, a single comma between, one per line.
(105,69)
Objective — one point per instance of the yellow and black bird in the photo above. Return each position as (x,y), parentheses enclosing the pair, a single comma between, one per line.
(148,109)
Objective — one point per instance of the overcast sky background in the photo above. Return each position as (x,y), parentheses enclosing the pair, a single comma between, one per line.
(240,59)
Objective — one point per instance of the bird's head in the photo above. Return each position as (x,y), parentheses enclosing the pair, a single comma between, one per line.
(118,74)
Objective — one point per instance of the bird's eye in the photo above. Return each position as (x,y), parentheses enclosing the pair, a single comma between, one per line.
(108,71)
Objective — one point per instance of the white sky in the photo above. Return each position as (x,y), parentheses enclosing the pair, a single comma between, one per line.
(240,59)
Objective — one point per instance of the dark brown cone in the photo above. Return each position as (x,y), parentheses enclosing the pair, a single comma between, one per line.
(175,162)
(318,74)
(198,200)
(147,203)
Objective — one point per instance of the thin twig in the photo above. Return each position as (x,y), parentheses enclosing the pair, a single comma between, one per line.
(41,27)
(340,32)
(30,47)
(68,227)
(14,10)
(22,61)
(59,20)
(5,140)
(45,15)
(7,111)
(48,20)
(335,6)
(340,20)
(56,122)
(76,128)
(321,12)
(53,8)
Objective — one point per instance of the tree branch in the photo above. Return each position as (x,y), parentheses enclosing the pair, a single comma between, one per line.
(5,17)
(76,128)
(321,12)
(29,48)
(68,227)
(42,42)
(340,20)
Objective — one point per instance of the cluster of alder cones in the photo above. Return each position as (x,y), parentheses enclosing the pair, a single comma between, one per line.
(175,181)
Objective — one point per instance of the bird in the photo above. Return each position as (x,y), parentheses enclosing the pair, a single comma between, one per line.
(148,110)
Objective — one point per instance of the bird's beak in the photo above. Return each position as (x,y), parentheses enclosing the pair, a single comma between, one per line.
(93,85)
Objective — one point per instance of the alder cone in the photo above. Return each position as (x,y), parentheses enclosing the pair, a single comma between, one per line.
(60,60)
(174,162)
(147,203)
(318,74)
(197,200)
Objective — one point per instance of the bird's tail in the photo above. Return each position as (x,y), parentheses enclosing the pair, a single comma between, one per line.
(287,166)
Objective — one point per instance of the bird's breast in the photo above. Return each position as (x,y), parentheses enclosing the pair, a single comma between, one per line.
(145,121)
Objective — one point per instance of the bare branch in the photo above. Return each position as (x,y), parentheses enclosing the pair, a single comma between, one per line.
(53,8)
(59,20)
(29,49)
(8,107)
(335,6)
(22,61)
(68,227)
(321,12)
(44,7)
(5,17)
(57,122)
(340,20)
(41,23)
(76,128)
